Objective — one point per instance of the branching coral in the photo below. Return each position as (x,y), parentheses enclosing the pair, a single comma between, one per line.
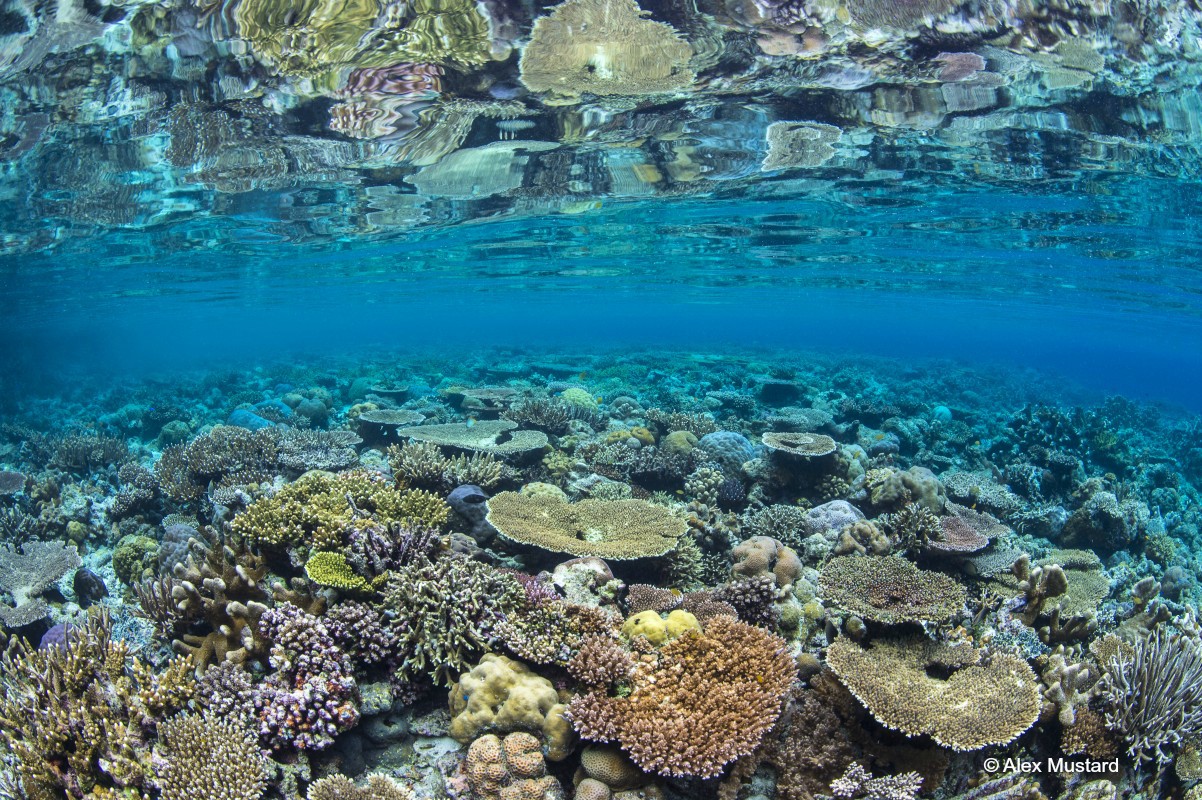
(980,702)
(74,717)
(208,757)
(226,455)
(611,529)
(700,702)
(446,612)
(311,696)
(1154,695)
(319,509)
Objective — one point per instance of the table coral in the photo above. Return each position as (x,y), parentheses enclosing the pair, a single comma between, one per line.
(604,47)
(890,589)
(982,701)
(700,702)
(613,529)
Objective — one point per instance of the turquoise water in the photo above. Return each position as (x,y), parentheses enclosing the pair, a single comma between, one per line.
(1096,281)
(600,399)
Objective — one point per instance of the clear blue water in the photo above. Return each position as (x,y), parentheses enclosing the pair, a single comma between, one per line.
(1097,282)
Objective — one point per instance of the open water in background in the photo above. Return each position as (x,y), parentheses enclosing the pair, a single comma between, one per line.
(1095,281)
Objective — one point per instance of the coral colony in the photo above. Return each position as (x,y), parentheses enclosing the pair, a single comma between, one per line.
(745,578)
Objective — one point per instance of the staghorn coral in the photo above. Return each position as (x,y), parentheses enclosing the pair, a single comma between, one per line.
(502,695)
(320,509)
(209,757)
(604,47)
(74,717)
(698,703)
(890,589)
(612,529)
(981,701)
(378,786)
(551,632)
(311,696)
(1153,696)
(446,612)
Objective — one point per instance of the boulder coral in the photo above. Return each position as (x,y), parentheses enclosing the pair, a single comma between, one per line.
(502,695)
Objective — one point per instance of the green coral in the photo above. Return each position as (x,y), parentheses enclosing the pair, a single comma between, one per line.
(320,507)
(133,556)
(331,569)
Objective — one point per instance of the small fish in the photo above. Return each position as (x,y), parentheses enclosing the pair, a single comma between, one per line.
(471,421)
(600,399)
(580,377)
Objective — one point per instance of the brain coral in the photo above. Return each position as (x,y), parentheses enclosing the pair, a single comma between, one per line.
(500,694)
(700,702)
(980,703)
(612,529)
(890,589)
(604,47)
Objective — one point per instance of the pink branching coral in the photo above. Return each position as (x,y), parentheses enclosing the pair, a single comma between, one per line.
(312,694)
(700,702)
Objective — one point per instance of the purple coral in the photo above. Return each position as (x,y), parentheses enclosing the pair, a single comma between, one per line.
(311,696)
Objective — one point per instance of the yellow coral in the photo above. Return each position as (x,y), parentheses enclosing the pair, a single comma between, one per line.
(604,47)
(319,507)
(331,569)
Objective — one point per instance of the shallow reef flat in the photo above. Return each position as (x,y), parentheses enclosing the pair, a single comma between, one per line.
(656,575)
